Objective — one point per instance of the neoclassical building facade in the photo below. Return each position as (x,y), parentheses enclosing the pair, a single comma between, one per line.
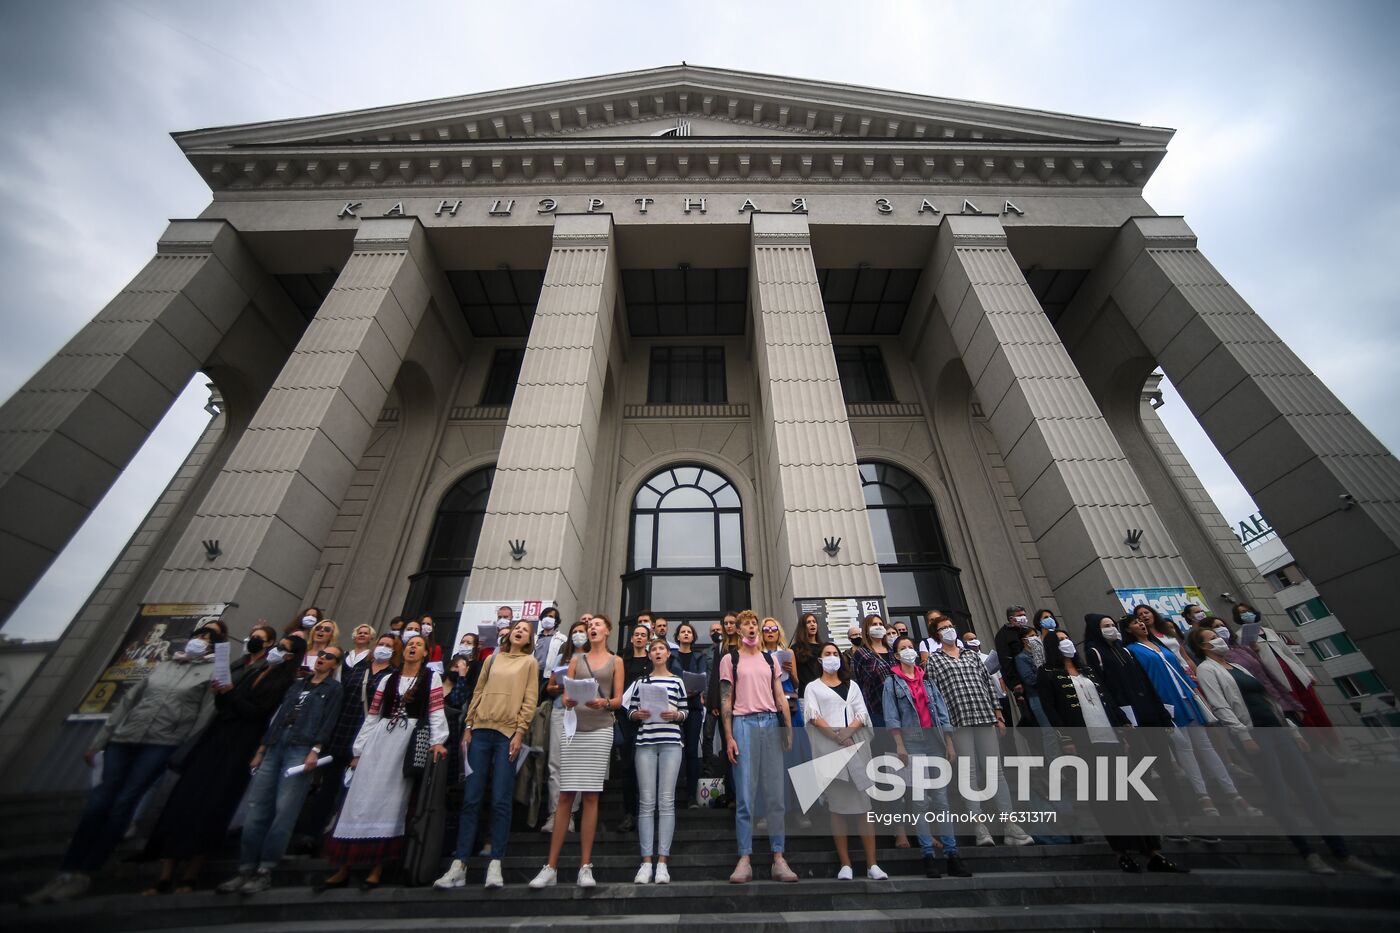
(685,339)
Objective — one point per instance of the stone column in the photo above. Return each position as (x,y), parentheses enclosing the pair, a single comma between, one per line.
(275,499)
(808,474)
(71,429)
(1078,491)
(544,473)
(1325,483)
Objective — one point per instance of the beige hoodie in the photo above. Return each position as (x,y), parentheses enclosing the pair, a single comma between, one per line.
(506,694)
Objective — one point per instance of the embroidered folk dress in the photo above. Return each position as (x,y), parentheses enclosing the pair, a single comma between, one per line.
(370,827)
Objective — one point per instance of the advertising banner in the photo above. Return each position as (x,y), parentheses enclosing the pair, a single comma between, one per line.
(159,630)
(1168,600)
(476,613)
(836,614)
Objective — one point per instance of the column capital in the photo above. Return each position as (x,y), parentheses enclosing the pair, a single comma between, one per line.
(779,229)
(583,229)
(199,237)
(395,233)
(974,229)
(1159,233)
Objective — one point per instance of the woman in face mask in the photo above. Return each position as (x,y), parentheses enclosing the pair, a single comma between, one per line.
(870,666)
(1073,698)
(324,634)
(837,718)
(152,719)
(575,643)
(917,717)
(214,773)
(1029,663)
(1249,659)
(1282,666)
(302,622)
(1242,704)
(435,656)
(255,648)
(358,688)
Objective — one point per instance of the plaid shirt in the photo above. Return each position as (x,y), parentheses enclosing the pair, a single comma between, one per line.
(966,686)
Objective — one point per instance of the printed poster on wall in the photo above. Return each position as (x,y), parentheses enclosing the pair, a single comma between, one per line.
(836,614)
(159,630)
(1168,600)
(479,612)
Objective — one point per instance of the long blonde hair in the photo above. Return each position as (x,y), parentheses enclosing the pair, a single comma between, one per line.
(782,636)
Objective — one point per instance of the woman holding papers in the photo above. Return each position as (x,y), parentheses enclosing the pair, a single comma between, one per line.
(695,669)
(370,828)
(837,718)
(657,706)
(576,642)
(592,693)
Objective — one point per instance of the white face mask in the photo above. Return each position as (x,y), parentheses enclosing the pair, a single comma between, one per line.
(1197,616)
(974,643)
(383,653)
(275,656)
(1112,635)
(1021,621)
(947,636)
(195,648)
(409,633)
(831,664)
(891,638)
(908,655)
(580,639)
(308,621)
(464,651)
(1066,647)
(877,631)
(1218,645)
(547,624)
(427,630)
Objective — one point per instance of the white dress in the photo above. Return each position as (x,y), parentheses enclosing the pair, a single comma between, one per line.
(377,803)
(842,795)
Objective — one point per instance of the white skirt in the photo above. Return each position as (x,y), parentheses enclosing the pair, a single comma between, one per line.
(377,802)
(583,761)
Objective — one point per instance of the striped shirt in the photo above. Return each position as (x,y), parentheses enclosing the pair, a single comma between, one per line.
(661,733)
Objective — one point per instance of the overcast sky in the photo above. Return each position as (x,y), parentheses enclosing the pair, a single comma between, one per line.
(1286,115)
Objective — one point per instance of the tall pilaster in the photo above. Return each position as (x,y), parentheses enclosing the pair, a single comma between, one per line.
(544,473)
(1325,483)
(71,429)
(275,499)
(808,476)
(1079,493)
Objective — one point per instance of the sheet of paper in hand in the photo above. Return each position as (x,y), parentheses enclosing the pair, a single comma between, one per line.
(655,700)
(221,673)
(581,691)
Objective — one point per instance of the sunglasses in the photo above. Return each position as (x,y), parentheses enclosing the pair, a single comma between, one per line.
(770,631)
(328,656)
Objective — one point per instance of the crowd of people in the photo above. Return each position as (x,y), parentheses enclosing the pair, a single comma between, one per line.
(355,744)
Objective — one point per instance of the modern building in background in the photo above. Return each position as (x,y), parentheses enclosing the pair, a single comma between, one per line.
(684,339)
(1318,636)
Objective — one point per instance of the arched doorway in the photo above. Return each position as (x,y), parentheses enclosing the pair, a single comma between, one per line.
(439,585)
(910,547)
(685,555)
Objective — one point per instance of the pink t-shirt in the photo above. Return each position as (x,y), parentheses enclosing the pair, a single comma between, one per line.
(754,691)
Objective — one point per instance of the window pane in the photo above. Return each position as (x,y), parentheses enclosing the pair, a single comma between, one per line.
(731,547)
(685,594)
(685,539)
(646,498)
(641,541)
(687,497)
(883,535)
(727,498)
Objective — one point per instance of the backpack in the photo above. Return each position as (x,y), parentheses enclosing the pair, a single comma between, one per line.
(734,662)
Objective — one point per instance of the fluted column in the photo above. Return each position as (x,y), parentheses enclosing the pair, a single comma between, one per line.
(1324,482)
(544,474)
(1078,491)
(71,429)
(275,499)
(809,478)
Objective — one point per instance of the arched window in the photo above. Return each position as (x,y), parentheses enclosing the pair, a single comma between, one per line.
(438,586)
(686,552)
(909,545)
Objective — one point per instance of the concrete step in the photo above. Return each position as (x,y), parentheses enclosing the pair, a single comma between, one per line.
(1020,901)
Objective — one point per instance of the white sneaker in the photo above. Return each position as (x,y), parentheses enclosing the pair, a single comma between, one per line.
(547,878)
(74,885)
(1016,836)
(643,874)
(1318,867)
(585,876)
(548,826)
(845,874)
(456,876)
(876,873)
(1366,868)
(42,895)
(493,874)
(663,874)
(984,836)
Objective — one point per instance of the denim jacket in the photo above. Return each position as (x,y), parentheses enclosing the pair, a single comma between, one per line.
(310,725)
(899,706)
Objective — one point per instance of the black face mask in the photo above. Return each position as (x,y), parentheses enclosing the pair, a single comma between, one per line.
(857,640)
(254,644)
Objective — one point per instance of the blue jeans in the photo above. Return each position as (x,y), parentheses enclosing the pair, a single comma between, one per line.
(657,768)
(489,757)
(760,765)
(274,802)
(935,801)
(128,771)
